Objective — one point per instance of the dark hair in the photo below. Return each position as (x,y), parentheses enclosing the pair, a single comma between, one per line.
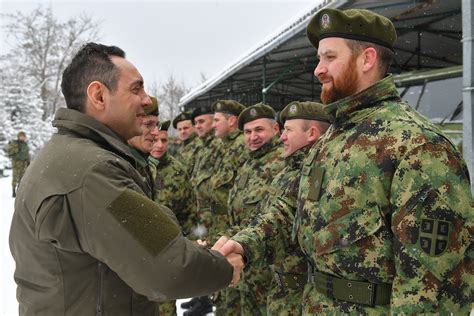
(385,54)
(91,63)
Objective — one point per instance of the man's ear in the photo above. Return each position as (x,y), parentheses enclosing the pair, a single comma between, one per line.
(233,120)
(314,134)
(369,56)
(96,94)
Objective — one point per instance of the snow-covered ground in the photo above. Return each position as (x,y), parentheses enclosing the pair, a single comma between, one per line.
(8,302)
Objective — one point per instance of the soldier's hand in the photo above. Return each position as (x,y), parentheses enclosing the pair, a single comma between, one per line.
(227,246)
(237,261)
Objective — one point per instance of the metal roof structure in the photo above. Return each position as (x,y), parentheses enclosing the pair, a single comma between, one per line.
(280,70)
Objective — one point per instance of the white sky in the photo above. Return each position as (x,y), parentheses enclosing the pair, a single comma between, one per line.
(182,38)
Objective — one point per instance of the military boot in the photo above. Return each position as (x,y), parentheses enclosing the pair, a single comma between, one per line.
(202,307)
(190,303)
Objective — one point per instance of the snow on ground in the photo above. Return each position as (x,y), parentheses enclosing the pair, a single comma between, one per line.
(8,302)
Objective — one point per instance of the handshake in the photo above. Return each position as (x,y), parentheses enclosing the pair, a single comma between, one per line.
(233,252)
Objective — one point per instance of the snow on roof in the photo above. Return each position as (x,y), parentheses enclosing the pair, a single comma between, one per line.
(287,31)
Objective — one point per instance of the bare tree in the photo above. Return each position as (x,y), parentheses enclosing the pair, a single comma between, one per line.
(168,95)
(43,46)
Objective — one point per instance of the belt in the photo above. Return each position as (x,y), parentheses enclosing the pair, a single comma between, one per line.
(292,281)
(359,292)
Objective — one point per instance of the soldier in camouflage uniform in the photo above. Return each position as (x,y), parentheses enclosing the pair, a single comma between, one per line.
(226,114)
(172,186)
(190,144)
(140,146)
(384,205)
(18,151)
(203,170)
(251,185)
(172,189)
(304,123)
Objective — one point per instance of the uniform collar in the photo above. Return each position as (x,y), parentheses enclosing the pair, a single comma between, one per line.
(343,110)
(232,136)
(190,139)
(140,157)
(298,156)
(266,148)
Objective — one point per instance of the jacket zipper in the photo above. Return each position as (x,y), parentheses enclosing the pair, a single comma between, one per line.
(100,267)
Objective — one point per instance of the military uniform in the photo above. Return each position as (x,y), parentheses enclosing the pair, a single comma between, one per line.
(87,210)
(250,187)
(382,187)
(18,152)
(267,241)
(173,189)
(189,148)
(142,166)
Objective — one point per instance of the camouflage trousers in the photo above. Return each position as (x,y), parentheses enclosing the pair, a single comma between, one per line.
(228,302)
(19,167)
(168,308)
(253,298)
(284,302)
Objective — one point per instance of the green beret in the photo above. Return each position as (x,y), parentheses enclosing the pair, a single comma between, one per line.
(228,106)
(163,126)
(356,24)
(255,112)
(152,109)
(183,116)
(304,110)
(201,111)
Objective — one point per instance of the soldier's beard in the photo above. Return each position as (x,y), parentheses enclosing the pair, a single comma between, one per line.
(344,85)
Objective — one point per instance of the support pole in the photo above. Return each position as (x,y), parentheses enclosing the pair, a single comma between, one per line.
(468,85)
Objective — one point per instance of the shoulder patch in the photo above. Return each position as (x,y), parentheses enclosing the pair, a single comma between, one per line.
(433,236)
(145,220)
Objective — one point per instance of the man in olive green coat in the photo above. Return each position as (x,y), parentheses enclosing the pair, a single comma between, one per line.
(190,143)
(18,152)
(251,186)
(98,244)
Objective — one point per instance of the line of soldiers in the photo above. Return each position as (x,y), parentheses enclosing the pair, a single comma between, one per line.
(258,185)
(222,178)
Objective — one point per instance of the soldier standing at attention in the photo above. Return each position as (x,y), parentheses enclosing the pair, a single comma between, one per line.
(304,123)
(172,186)
(226,114)
(98,244)
(384,205)
(189,147)
(209,152)
(172,189)
(251,186)
(19,153)
(140,146)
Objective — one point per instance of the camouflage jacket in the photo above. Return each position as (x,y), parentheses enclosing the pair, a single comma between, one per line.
(144,169)
(253,181)
(210,152)
(267,240)
(233,157)
(188,151)
(18,150)
(385,197)
(173,189)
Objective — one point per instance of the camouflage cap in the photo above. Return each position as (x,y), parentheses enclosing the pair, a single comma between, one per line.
(356,24)
(201,111)
(163,126)
(228,106)
(183,116)
(152,109)
(255,112)
(304,110)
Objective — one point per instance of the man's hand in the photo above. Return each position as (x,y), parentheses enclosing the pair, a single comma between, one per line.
(227,246)
(237,261)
